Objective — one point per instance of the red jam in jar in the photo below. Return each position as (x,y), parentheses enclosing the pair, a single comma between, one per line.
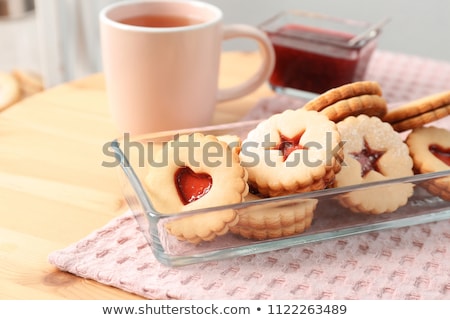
(316,59)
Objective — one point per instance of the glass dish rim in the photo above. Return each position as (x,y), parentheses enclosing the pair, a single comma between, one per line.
(370,31)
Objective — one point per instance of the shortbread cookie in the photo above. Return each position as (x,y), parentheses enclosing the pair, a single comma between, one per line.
(373,151)
(202,226)
(364,97)
(192,172)
(371,105)
(233,141)
(29,82)
(430,150)
(9,90)
(290,152)
(419,112)
(273,220)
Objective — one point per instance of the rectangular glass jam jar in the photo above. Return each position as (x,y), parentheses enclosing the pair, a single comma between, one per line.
(316,52)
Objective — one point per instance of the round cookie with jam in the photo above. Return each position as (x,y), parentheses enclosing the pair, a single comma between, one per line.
(373,151)
(196,171)
(291,152)
(430,150)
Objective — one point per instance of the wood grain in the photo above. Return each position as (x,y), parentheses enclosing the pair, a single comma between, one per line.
(53,189)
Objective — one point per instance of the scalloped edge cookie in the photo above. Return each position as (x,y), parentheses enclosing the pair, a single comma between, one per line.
(418,141)
(360,133)
(274,220)
(313,158)
(229,186)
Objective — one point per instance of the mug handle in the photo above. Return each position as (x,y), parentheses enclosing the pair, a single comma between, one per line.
(265,69)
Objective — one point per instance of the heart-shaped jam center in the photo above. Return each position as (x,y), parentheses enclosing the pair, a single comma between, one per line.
(288,145)
(440,152)
(368,159)
(191,186)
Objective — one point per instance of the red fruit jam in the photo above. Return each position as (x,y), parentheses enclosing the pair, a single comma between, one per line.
(191,186)
(316,60)
(288,145)
(441,153)
(368,158)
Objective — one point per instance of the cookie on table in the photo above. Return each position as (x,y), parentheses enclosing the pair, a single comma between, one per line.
(29,82)
(430,150)
(198,171)
(274,219)
(363,97)
(290,152)
(420,112)
(9,90)
(373,151)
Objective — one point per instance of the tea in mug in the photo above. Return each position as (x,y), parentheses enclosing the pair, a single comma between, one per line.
(160,21)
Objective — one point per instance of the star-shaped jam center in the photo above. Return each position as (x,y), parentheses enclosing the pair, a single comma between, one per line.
(288,145)
(368,158)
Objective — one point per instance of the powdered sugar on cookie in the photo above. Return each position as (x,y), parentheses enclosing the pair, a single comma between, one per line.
(373,151)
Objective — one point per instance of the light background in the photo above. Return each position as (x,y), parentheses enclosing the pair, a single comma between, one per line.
(416,27)
(60,40)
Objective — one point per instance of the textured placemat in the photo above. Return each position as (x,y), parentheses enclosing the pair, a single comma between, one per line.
(405,263)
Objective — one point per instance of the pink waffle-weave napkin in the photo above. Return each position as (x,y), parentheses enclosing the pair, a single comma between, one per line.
(405,263)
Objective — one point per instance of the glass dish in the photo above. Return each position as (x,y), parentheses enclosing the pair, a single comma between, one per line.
(316,52)
(330,219)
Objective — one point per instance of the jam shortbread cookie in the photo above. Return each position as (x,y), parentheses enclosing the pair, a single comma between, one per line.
(373,151)
(9,90)
(197,171)
(430,150)
(233,141)
(419,112)
(290,152)
(363,97)
(274,219)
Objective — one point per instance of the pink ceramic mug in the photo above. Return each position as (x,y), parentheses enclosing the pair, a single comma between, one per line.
(161,63)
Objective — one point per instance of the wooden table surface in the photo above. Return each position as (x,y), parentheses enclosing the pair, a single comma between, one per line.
(53,189)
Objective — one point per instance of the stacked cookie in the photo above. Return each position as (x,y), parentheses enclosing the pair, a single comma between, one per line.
(291,152)
(429,146)
(364,97)
(344,137)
